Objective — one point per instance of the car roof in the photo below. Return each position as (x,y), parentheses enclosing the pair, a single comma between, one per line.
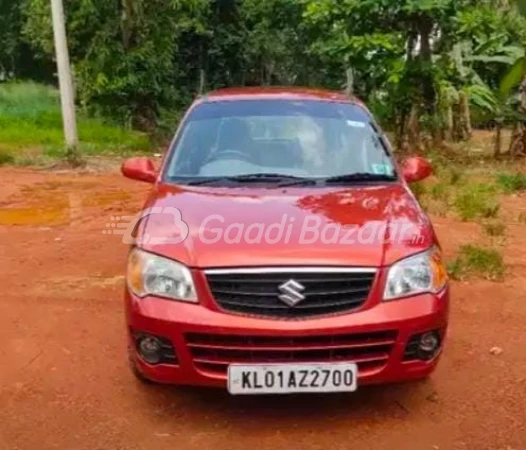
(277,93)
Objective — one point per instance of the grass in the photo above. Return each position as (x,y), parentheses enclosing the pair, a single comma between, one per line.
(469,183)
(440,192)
(476,200)
(30,117)
(477,261)
(511,182)
(419,190)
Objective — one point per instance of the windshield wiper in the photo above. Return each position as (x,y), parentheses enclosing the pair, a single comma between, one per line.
(360,177)
(299,182)
(283,180)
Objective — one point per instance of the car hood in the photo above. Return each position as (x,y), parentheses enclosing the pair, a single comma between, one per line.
(241,227)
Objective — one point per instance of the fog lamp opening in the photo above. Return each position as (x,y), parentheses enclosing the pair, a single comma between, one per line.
(429,345)
(429,342)
(150,349)
(423,346)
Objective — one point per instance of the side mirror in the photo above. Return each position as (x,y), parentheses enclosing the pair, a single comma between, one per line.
(416,169)
(140,168)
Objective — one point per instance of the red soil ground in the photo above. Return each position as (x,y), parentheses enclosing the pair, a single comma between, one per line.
(65,384)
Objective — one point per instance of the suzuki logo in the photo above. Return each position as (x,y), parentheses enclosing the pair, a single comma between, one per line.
(291,293)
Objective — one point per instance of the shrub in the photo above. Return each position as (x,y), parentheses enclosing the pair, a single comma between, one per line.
(476,200)
(477,261)
(418,190)
(510,183)
(439,192)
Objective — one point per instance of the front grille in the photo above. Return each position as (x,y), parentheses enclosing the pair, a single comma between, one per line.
(257,292)
(214,353)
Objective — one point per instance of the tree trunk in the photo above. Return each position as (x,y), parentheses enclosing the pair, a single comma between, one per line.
(429,93)
(129,12)
(405,106)
(465,117)
(457,128)
(518,141)
(202,81)
(449,123)
(349,85)
(401,132)
(428,85)
(413,129)
(498,139)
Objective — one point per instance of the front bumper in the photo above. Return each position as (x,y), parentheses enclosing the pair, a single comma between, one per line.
(176,321)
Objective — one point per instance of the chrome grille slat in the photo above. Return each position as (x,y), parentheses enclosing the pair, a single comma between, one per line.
(312,291)
(302,278)
(299,307)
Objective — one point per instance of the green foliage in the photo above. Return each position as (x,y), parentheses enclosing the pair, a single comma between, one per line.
(10,43)
(419,190)
(479,262)
(440,192)
(521,5)
(483,97)
(513,77)
(125,55)
(30,116)
(273,43)
(512,182)
(476,201)
(140,62)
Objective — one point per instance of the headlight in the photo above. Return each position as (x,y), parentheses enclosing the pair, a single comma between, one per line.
(150,274)
(416,275)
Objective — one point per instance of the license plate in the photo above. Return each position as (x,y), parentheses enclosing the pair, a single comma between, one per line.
(292,378)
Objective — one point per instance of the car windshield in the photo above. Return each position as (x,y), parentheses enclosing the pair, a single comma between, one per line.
(304,139)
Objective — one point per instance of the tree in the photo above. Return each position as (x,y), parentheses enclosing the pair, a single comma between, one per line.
(427,68)
(392,42)
(125,57)
(517,76)
(9,28)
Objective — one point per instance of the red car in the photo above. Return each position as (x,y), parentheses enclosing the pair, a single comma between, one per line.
(282,251)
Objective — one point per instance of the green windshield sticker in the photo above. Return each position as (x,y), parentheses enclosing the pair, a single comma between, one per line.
(382,169)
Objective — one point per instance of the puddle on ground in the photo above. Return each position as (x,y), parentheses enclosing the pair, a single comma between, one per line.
(105,198)
(65,286)
(33,216)
(57,203)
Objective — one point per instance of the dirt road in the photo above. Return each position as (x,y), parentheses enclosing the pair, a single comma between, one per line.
(64,382)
